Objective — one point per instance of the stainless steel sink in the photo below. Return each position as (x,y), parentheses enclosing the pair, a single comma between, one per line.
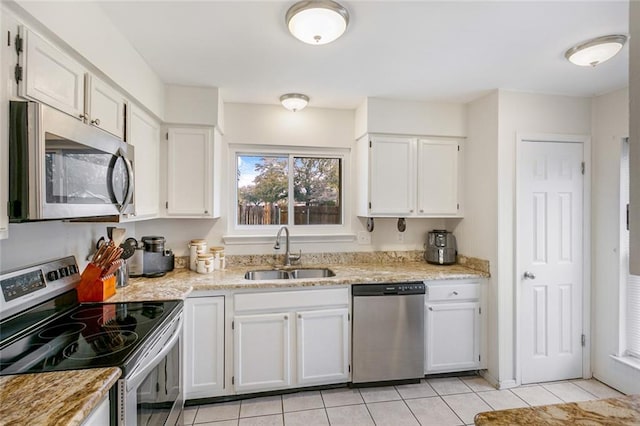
(267,275)
(312,273)
(276,274)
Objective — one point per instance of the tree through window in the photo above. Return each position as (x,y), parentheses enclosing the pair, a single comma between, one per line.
(265,183)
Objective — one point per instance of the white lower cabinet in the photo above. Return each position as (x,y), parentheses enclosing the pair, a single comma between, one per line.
(323,346)
(452,327)
(204,347)
(262,352)
(295,338)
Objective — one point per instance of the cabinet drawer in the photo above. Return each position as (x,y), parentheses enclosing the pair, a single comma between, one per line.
(284,300)
(451,292)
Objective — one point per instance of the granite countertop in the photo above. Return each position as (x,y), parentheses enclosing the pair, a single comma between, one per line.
(179,283)
(621,411)
(58,398)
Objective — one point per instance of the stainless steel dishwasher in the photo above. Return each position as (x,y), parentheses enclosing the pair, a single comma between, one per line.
(388,332)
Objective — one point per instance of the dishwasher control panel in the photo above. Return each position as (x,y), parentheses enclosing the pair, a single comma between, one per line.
(394,289)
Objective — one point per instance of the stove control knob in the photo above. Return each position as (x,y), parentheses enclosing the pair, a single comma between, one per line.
(52,276)
(73,269)
(64,271)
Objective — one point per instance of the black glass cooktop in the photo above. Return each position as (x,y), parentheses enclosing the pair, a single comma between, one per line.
(85,336)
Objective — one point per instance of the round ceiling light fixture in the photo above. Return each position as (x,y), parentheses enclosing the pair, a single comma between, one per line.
(294,101)
(595,51)
(317,21)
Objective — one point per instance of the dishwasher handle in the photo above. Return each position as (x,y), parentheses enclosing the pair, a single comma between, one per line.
(390,289)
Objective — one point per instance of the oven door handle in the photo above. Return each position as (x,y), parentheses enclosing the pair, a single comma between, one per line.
(138,376)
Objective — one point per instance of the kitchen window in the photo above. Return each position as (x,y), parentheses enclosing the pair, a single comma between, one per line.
(302,188)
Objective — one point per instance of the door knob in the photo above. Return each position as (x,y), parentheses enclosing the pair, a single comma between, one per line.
(529,275)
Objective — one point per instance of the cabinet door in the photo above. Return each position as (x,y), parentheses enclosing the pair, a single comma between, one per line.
(52,77)
(452,337)
(189,177)
(204,347)
(437,177)
(323,346)
(392,176)
(106,107)
(262,351)
(144,135)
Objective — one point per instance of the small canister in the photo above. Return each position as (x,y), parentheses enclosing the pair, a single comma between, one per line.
(196,247)
(205,263)
(218,257)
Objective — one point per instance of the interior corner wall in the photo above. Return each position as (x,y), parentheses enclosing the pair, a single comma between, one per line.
(610,123)
(523,113)
(476,233)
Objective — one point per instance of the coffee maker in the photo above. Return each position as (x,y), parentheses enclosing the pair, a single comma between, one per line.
(151,259)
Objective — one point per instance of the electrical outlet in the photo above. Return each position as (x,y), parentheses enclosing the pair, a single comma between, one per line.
(364,237)
(400,237)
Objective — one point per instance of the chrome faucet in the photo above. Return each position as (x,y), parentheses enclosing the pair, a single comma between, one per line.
(288,257)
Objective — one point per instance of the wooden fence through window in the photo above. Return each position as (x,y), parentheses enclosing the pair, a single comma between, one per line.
(272,214)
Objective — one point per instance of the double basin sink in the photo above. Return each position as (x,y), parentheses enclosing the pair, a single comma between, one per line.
(278,274)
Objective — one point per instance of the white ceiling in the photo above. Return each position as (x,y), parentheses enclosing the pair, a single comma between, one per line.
(413,50)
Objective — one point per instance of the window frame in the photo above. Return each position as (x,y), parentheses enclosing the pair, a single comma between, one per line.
(241,234)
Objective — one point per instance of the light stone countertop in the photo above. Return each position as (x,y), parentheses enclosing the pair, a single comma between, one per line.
(57,398)
(620,411)
(179,283)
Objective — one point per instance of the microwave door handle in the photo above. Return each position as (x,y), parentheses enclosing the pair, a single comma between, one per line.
(138,376)
(129,196)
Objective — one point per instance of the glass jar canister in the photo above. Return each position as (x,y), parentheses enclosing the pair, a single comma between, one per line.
(205,263)
(218,259)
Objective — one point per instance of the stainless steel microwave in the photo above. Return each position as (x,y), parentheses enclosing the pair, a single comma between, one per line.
(61,167)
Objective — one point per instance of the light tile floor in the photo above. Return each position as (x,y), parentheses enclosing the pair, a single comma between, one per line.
(432,402)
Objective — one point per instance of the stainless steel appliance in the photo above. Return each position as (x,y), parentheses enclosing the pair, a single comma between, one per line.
(388,332)
(44,328)
(60,167)
(441,247)
(156,261)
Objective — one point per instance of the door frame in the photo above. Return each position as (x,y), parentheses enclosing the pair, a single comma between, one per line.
(518,270)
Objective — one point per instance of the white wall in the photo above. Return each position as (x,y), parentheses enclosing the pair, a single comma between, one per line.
(476,233)
(610,125)
(524,113)
(96,39)
(634,86)
(275,126)
(191,105)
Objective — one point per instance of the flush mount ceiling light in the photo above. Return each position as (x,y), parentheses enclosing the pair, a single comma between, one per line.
(294,101)
(595,51)
(317,21)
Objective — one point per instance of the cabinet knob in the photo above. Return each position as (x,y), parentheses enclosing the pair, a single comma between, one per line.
(430,308)
(82,116)
(411,211)
(206,212)
(421,211)
(455,293)
(286,317)
(96,121)
(300,316)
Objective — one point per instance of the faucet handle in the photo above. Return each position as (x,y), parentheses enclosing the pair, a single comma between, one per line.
(295,257)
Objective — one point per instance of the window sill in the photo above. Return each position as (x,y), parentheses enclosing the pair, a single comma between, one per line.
(629,361)
(269,239)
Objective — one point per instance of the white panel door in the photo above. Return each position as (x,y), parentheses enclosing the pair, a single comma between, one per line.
(392,176)
(452,337)
(51,76)
(144,135)
(437,177)
(106,107)
(323,346)
(550,241)
(262,351)
(190,177)
(204,347)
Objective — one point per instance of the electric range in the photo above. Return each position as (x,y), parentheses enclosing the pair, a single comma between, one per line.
(44,328)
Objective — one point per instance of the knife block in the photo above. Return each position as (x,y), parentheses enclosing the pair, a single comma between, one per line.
(98,290)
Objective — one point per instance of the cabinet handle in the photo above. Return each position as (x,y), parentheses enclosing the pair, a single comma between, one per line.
(96,121)
(411,211)
(206,212)
(82,116)
(421,211)
(455,293)
(430,308)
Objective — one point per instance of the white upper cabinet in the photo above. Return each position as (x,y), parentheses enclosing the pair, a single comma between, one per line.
(144,135)
(392,176)
(50,76)
(190,173)
(402,176)
(438,177)
(106,107)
